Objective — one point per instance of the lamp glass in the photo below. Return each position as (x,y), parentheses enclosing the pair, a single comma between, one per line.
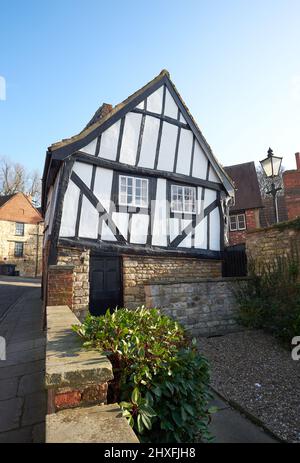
(271,166)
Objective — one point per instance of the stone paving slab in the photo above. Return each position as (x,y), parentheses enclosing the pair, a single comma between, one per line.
(22,369)
(22,393)
(100,423)
(67,362)
(10,413)
(229,426)
(8,388)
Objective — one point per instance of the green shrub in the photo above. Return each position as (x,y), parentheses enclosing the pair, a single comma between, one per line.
(160,380)
(271,298)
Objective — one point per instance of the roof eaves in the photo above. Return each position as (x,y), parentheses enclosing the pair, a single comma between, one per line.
(114,110)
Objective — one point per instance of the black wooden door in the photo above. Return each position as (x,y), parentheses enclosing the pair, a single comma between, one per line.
(235,261)
(105,284)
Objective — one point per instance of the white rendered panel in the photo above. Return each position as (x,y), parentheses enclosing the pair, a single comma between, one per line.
(210,196)
(89,219)
(174,228)
(90,148)
(200,202)
(167,147)
(159,226)
(121,220)
(187,242)
(69,214)
(106,233)
(214,230)
(148,148)
(139,228)
(200,162)
(141,105)
(212,176)
(171,108)
(184,152)
(109,142)
(201,235)
(130,138)
(102,187)
(154,101)
(84,171)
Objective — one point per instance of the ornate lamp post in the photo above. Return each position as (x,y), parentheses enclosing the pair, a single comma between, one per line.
(271,167)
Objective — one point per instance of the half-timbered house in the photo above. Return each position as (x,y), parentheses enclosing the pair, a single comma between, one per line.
(137,195)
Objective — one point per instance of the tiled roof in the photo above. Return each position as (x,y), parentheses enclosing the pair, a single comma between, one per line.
(247,192)
(4,199)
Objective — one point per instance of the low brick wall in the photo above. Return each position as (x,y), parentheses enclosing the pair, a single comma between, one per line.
(140,270)
(60,285)
(204,307)
(74,376)
(80,259)
(264,245)
(76,380)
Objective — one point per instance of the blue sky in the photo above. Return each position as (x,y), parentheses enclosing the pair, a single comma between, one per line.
(235,62)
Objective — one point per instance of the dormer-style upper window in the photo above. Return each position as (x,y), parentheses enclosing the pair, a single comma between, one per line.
(19,229)
(133,191)
(183,199)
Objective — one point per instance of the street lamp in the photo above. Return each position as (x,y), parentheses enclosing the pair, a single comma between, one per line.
(271,167)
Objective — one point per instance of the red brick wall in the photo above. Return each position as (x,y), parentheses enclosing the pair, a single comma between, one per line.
(60,285)
(291,181)
(20,209)
(252,222)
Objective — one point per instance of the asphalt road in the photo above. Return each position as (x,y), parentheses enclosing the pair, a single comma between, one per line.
(11,289)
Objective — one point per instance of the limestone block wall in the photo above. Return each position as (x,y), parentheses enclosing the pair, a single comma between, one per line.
(30,264)
(204,307)
(140,270)
(80,260)
(264,245)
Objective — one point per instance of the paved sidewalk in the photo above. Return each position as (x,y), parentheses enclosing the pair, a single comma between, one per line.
(22,394)
(230,426)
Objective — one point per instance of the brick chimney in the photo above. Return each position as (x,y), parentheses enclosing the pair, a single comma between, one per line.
(297,156)
(291,181)
(104,110)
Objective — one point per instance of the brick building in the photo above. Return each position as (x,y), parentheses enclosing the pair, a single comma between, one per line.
(21,234)
(291,182)
(244,214)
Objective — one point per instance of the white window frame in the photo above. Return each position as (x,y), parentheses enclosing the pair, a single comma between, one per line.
(238,228)
(134,203)
(19,232)
(17,244)
(184,210)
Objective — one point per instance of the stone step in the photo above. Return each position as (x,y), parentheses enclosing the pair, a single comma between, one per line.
(96,424)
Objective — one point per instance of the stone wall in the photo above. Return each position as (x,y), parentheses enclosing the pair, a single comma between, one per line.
(80,260)
(203,307)
(264,245)
(139,270)
(30,264)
